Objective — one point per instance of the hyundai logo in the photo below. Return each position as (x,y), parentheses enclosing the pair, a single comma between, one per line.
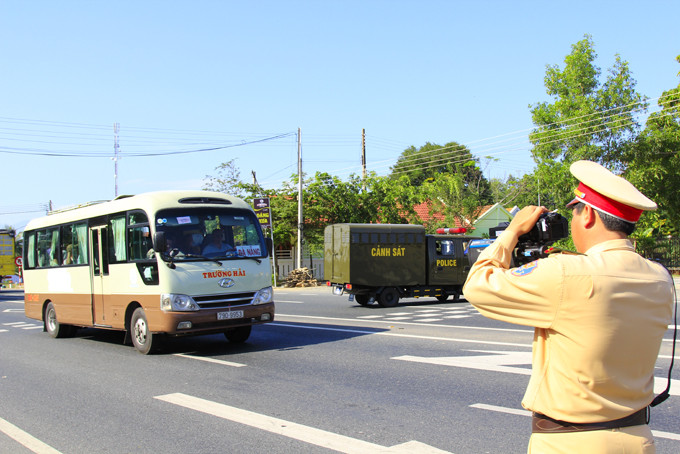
(226,283)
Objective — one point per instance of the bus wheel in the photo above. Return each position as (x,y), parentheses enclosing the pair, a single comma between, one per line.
(142,338)
(388,297)
(362,299)
(238,335)
(443,298)
(52,325)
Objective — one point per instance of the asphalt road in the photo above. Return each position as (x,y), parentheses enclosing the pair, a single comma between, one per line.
(326,376)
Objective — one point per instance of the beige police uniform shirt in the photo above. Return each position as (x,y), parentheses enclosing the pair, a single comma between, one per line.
(599,320)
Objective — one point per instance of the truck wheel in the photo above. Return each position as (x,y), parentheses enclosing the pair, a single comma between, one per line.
(388,297)
(443,298)
(362,299)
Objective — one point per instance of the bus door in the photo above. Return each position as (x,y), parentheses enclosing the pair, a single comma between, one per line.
(99,273)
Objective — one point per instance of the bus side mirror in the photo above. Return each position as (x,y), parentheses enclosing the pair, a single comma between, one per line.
(270,246)
(159,243)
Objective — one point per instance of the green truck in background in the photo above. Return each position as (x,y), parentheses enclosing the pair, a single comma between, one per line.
(386,262)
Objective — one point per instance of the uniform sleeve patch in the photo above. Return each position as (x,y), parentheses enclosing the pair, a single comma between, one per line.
(525,269)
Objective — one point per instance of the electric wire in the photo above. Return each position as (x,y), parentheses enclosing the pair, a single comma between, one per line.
(607,121)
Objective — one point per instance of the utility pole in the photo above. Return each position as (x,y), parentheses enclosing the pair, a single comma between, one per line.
(363,156)
(298,257)
(116,128)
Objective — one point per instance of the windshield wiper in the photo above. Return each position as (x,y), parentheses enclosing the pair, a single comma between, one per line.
(173,253)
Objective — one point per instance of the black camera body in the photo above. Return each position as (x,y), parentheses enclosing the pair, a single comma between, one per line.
(549,228)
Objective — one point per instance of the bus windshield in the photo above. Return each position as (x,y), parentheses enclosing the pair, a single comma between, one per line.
(215,233)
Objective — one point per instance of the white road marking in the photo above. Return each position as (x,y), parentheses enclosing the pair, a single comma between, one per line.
(26,439)
(517,411)
(501,361)
(14,310)
(478,328)
(290,302)
(311,435)
(409,336)
(23,325)
(496,361)
(512,411)
(669,435)
(211,360)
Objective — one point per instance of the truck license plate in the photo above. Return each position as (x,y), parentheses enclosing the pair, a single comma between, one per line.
(229,315)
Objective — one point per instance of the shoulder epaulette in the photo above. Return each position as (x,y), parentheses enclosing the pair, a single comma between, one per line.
(557,250)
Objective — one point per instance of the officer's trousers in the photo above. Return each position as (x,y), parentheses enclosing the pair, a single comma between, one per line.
(627,440)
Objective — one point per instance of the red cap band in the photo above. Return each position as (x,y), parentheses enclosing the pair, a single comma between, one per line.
(610,206)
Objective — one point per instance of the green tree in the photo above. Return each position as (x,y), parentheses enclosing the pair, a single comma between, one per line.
(228,180)
(654,165)
(456,198)
(585,120)
(431,160)
(515,191)
(329,200)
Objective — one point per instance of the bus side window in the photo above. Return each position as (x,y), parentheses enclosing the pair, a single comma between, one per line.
(48,247)
(140,242)
(30,251)
(54,247)
(80,243)
(117,239)
(67,245)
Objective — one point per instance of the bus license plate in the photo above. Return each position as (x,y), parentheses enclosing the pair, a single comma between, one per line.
(229,315)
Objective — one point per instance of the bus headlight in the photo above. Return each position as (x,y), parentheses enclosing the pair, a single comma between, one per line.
(177,302)
(263,296)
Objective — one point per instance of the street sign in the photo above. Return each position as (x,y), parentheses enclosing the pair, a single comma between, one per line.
(262,211)
(19,261)
(261,203)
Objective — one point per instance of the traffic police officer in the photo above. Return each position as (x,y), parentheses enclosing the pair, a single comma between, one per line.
(599,318)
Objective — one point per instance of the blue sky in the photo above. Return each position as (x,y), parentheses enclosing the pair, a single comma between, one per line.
(193,75)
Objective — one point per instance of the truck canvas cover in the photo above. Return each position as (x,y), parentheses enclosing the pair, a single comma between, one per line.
(375,254)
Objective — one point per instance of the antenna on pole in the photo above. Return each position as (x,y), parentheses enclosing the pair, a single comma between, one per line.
(363,156)
(116,128)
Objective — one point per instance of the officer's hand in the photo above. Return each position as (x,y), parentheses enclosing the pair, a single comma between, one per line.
(526,219)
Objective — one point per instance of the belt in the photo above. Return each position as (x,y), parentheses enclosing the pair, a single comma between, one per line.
(544,424)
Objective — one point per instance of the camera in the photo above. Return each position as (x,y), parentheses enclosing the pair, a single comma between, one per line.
(549,228)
